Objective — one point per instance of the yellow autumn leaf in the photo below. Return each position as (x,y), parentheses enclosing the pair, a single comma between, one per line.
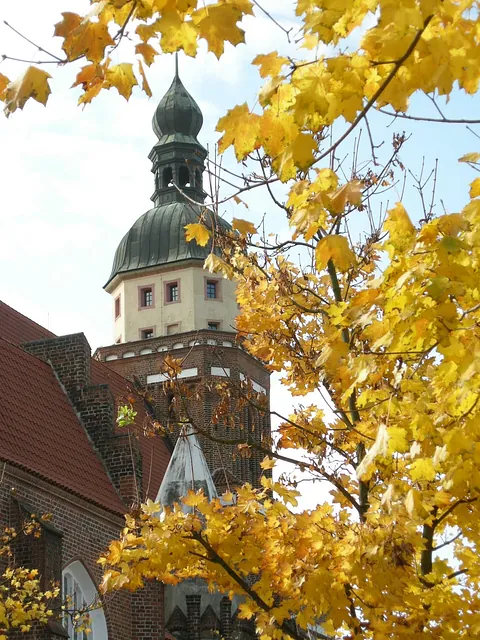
(193,499)
(422,469)
(68,24)
(337,249)
(243,226)
(241,128)
(475,188)
(176,33)
(197,232)
(473,157)
(399,226)
(217,24)
(267,463)
(121,77)
(270,64)
(88,75)
(89,39)
(147,51)
(215,264)
(302,150)
(240,201)
(91,92)
(145,85)
(33,83)
(350,192)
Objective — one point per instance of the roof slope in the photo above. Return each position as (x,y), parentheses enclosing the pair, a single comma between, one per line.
(40,432)
(17,328)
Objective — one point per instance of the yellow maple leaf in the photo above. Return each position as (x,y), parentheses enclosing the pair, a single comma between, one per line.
(69,22)
(243,226)
(121,77)
(197,232)
(33,83)
(350,192)
(147,51)
(422,469)
(215,264)
(267,463)
(145,85)
(90,93)
(89,39)
(217,24)
(176,33)
(270,64)
(399,226)
(470,157)
(88,75)
(337,249)
(193,499)
(241,128)
(302,150)
(475,188)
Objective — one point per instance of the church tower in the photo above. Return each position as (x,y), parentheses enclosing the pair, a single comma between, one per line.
(165,302)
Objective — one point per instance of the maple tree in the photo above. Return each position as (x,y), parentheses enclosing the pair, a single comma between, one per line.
(387,328)
(23,603)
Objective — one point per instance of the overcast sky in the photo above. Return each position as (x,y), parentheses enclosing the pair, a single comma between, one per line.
(73,181)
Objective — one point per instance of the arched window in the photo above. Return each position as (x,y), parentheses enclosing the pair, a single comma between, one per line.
(167,177)
(198,178)
(79,592)
(184,176)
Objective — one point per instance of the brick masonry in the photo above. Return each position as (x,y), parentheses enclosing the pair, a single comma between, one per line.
(83,532)
(199,352)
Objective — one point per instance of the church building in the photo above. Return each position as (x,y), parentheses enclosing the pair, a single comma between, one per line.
(61,451)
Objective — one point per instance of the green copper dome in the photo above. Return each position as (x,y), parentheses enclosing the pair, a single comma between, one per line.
(178,117)
(158,238)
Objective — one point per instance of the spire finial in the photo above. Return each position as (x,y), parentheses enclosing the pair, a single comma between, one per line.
(176,64)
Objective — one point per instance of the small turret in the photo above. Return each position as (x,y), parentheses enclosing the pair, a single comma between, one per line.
(187,471)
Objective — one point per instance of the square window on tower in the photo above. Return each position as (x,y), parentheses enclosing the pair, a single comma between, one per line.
(213,326)
(172,291)
(211,289)
(145,334)
(146,297)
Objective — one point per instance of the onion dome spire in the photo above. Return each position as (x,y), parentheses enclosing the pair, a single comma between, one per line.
(177,113)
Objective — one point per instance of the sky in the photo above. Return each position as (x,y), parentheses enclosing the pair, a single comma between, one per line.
(74,180)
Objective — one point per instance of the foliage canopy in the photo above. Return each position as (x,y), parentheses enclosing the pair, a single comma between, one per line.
(387,327)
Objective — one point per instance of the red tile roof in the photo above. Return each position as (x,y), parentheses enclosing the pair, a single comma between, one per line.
(36,415)
(40,432)
(17,328)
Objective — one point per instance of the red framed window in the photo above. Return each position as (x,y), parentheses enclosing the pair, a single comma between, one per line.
(172,291)
(146,297)
(117,307)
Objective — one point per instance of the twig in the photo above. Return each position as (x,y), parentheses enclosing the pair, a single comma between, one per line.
(5,57)
(425,119)
(52,55)
(286,31)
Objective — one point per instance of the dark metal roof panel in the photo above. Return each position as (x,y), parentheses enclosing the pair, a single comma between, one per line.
(158,237)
